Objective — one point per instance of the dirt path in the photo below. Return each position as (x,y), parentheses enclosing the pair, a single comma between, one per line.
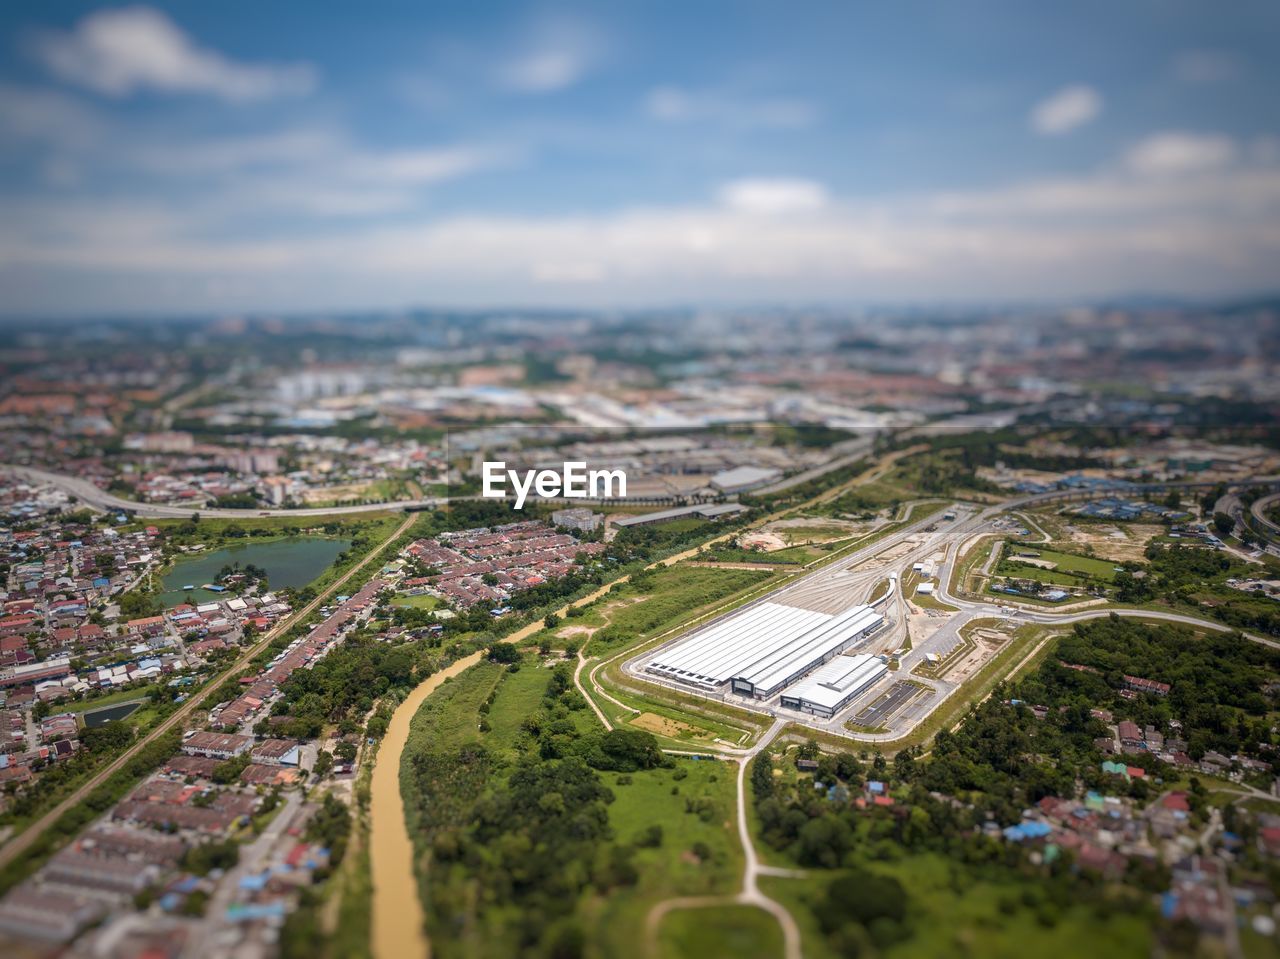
(752,870)
(398,922)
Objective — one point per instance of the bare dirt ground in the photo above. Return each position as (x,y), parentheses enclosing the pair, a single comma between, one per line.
(606,611)
(987,642)
(924,624)
(661,725)
(1119,542)
(803,530)
(762,540)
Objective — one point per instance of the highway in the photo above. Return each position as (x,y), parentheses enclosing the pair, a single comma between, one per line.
(97,498)
(1258,512)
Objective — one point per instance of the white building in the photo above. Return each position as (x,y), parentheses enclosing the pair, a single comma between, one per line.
(579,518)
(833,686)
(743,478)
(763,648)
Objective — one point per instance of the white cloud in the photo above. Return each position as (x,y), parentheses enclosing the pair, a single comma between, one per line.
(676,105)
(773,197)
(1177,227)
(1177,152)
(1069,108)
(544,71)
(131,49)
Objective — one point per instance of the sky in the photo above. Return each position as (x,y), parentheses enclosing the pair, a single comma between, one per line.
(196,158)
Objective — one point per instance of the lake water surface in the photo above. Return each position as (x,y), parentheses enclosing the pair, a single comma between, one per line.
(288,562)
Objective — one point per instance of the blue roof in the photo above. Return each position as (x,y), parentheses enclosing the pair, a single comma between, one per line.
(254,883)
(1031,829)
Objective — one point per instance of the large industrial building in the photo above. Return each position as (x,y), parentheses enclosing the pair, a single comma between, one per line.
(763,648)
(834,685)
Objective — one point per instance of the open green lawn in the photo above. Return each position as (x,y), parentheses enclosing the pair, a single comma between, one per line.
(451,714)
(421,601)
(953,911)
(107,699)
(519,696)
(698,808)
(677,592)
(1049,577)
(1087,566)
(743,932)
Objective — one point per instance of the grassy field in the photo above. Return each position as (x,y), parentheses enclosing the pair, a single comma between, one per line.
(210,529)
(791,556)
(421,601)
(910,581)
(107,699)
(744,932)
(519,696)
(676,593)
(451,715)
(663,797)
(955,912)
(1069,569)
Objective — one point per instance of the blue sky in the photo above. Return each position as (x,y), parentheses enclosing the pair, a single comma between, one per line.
(196,157)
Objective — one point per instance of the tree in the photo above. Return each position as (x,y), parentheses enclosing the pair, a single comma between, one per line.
(1223,523)
(551,621)
(627,750)
(504,653)
(324,764)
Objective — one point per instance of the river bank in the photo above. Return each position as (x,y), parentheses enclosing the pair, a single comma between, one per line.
(398,920)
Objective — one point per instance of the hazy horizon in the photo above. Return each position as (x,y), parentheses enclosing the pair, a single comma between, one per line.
(179,158)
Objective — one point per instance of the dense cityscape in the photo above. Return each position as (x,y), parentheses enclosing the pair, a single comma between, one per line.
(656,481)
(222,575)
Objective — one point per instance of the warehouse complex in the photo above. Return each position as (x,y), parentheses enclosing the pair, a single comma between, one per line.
(833,686)
(763,648)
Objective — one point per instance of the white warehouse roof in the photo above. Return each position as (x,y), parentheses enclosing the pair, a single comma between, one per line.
(763,647)
(829,686)
(743,477)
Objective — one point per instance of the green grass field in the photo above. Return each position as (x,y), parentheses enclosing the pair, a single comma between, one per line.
(107,699)
(954,911)
(658,797)
(744,932)
(451,715)
(1085,567)
(421,601)
(519,696)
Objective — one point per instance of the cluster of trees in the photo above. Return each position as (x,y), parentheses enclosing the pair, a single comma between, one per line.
(342,687)
(1195,576)
(1003,759)
(140,602)
(515,844)
(251,573)
(331,827)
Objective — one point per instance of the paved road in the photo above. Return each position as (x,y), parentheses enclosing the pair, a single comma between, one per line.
(88,493)
(23,841)
(211,941)
(1259,513)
